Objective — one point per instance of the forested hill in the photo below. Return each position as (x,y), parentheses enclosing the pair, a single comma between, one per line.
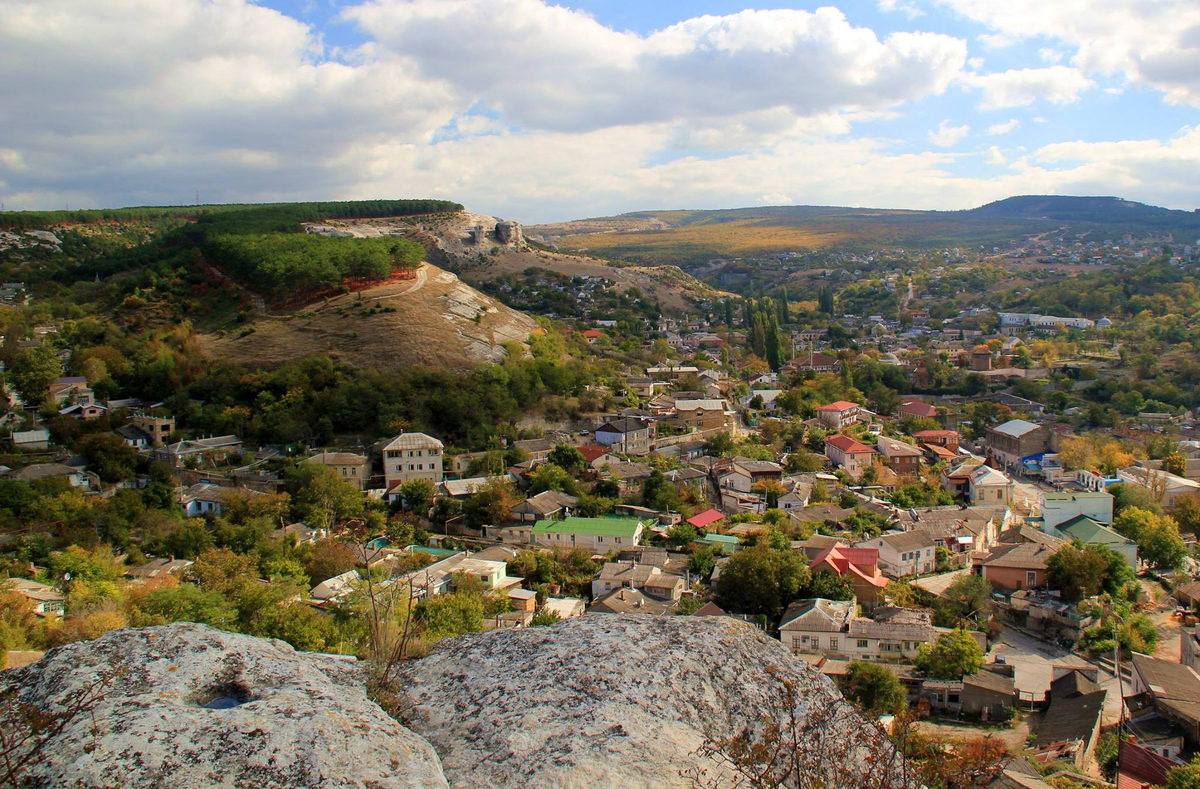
(1099,210)
(296,212)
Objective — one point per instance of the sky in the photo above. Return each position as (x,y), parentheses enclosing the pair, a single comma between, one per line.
(541,112)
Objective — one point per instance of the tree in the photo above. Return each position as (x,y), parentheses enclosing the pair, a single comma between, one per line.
(417,495)
(681,535)
(492,503)
(330,558)
(761,580)
(32,371)
(1161,545)
(828,586)
(1185,776)
(184,603)
(1127,495)
(551,477)
(718,444)
(970,596)
(321,497)
(1080,571)
(1175,463)
(872,687)
(1186,512)
(952,656)
(701,562)
(567,458)
(109,456)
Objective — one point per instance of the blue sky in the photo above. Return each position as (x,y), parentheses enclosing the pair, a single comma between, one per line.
(542,112)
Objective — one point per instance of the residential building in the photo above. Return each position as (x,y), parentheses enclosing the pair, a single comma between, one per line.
(159,567)
(860,566)
(846,453)
(211,450)
(904,553)
(538,449)
(643,387)
(31,440)
(947,439)
(986,485)
(158,428)
(627,436)
(916,408)
(902,458)
(1173,689)
(704,520)
(78,478)
(1015,439)
(672,373)
(544,506)
(593,534)
(985,694)
(630,601)
(411,456)
(353,468)
(742,474)
(71,389)
(46,600)
(1059,508)
(565,607)
(204,499)
(1090,532)
(838,414)
(702,414)
(1069,729)
(1167,488)
(1018,566)
(646,578)
(830,628)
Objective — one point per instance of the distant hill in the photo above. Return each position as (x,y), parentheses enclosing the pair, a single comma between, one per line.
(694,237)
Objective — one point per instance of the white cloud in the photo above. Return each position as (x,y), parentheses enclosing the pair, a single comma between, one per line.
(1050,55)
(1003,128)
(907,7)
(945,135)
(549,67)
(1148,42)
(1020,87)
(996,156)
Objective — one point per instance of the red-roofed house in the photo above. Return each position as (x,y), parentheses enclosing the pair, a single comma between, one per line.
(947,439)
(1141,768)
(844,451)
(595,455)
(838,414)
(591,335)
(916,408)
(859,565)
(703,520)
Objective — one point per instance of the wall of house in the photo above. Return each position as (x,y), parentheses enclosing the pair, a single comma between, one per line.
(1013,578)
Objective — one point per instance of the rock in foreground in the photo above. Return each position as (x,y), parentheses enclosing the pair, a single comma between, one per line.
(629,701)
(300,720)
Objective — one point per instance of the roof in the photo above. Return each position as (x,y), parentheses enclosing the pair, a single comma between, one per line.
(847,444)
(1025,533)
(1073,683)
(850,562)
(624,425)
(893,448)
(990,681)
(604,527)
(1167,680)
(40,470)
(337,459)
(34,590)
(550,500)
(1070,719)
(936,434)
(592,452)
(838,405)
(706,518)
(1091,532)
(709,609)
(1142,764)
(1023,556)
(818,614)
(628,601)
(30,436)
(699,405)
(724,539)
(908,540)
(940,451)
(412,441)
(1016,428)
(917,408)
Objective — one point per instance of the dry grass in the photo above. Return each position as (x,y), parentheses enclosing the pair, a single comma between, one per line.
(738,238)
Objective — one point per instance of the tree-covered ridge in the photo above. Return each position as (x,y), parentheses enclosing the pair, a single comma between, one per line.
(293,212)
(282,266)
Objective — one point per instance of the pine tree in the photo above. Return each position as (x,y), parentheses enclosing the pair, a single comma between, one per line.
(774,352)
(729,313)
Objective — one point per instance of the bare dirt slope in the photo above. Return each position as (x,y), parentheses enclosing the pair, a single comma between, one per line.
(437,321)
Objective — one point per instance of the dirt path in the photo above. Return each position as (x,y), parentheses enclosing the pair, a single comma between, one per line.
(259,304)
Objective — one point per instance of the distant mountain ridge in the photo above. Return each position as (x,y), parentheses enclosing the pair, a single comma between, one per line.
(1084,209)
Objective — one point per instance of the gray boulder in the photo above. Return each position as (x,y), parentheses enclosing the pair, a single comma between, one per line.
(633,701)
(299,720)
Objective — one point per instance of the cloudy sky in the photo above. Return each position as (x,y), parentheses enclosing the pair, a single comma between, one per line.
(544,112)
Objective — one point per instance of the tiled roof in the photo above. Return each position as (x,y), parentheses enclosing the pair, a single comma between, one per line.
(838,405)
(847,445)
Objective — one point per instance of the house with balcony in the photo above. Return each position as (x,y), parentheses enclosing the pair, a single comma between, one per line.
(838,415)
(846,453)
(411,456)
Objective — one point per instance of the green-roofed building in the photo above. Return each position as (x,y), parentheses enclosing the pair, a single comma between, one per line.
(1091,532)
(598,535)
(728,542)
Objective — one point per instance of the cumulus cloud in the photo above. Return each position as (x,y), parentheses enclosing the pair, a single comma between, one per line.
(906,7)
(1147,42)
(552,68)
(1003,128)
(945,135)
(1021,87)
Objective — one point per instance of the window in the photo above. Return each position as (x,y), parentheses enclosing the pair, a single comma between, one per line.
(833,644)
(1031,578)
(798,640)
(862,643)
(599,539)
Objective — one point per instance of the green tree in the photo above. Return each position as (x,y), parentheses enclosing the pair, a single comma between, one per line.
(1185,776)
(970,596)
(681,535)
(109,456)
(321,497)
(873,688)
(548,476)
(184,603)
(567,458)
(952,656)
(830,587)
(701,562)
(1080,571)
(492,503)
(761,580)
(32,371)
(417,495)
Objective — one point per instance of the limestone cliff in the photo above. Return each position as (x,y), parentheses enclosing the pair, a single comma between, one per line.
(601,701)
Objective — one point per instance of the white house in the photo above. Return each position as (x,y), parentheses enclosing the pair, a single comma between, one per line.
(904,553)
(1059,508)
(411,456)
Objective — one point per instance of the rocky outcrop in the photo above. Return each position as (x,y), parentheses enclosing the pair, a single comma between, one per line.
(299,720)
(629,701)
(601,701)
